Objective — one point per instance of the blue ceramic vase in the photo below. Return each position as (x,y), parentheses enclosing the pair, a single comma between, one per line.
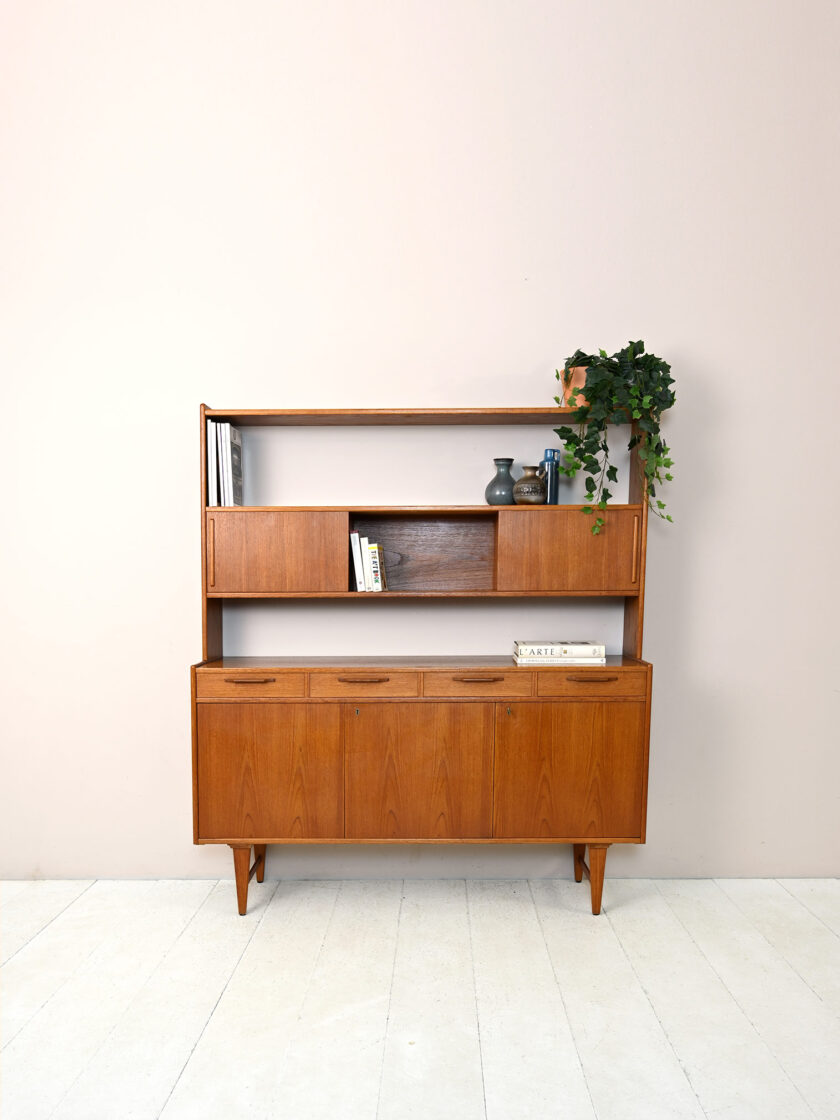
(499,491)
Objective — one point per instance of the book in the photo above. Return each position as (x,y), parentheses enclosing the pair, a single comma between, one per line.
(212,465)
(358,570)
(235,466)
(221,440)
(364,544)
(559,660)
(382,567)
(559,648)
(375,575)
(229,446)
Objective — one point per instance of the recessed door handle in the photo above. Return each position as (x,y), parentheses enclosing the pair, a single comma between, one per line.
(478,680)
(592,680)
(363,680)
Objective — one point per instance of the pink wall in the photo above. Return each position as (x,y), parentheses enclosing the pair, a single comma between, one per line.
(411,203)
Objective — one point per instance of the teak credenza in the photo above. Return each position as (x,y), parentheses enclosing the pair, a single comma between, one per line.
(419,750)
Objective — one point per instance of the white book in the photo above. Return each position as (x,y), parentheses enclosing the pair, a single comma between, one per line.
(375,575)
(358,570)
(223,458)
(557,648)
(235,465)
(364,544)
(559,660)
(212,465)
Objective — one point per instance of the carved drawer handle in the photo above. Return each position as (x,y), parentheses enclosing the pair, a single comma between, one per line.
(363,680)
(249,680)
(478,680)
(592,680)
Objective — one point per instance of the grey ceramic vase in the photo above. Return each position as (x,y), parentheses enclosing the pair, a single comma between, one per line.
(529,490)
(499,491)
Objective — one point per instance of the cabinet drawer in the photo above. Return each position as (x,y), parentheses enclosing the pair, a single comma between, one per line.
(477,683)
(584,683)
(361,683)
(243,684)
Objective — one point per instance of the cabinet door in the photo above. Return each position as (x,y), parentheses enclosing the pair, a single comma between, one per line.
(269,770)
(571,770)
(418,771)
(251,551)
(554,550)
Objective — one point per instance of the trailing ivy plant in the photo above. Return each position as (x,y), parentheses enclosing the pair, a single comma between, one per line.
(631,386)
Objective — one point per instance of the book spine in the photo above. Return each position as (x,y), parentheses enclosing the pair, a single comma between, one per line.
(551,650)
(235,466)
(212,465)
(382,567)
(220,441)
(560,660)
(358,570)
(366,568)
(375,577)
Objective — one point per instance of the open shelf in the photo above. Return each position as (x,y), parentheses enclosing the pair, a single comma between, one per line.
(409,511)
(346,417)
(423,661)
(465,593)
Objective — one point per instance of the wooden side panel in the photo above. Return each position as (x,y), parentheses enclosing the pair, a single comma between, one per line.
(418,770)
(250,551)
(431,553)
(269,770)
(570,770)
(554,550)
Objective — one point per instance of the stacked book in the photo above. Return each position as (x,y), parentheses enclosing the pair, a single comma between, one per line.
(224,464)
(368,564)
(559,653)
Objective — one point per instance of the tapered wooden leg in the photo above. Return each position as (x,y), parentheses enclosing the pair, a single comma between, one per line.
(597,861)
(259,860)
(241,860)
(579,851)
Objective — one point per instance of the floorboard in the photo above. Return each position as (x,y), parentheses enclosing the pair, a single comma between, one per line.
(800,1030)
(440,1000)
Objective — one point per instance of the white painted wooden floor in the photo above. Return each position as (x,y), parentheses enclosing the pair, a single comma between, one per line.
(428,999)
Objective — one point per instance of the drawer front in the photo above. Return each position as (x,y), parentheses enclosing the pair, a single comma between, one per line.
(477,683)
(360,683)
(244,684)
(584,683)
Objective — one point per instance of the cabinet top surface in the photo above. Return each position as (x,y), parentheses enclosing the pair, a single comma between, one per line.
(268,417)
(461,661)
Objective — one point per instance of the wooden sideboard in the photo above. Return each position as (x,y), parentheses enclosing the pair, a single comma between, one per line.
(444,750)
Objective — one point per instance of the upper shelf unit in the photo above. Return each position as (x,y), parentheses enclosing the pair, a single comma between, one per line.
(546,550)
(407,417)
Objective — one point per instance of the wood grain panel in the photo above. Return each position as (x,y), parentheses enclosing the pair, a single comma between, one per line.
(570,770)
(418,770)
(477,683)
(361,683)
(269,770)
(277,552)
(554,550)
(428,553)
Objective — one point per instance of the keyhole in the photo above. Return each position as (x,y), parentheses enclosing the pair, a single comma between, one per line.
(508,711)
